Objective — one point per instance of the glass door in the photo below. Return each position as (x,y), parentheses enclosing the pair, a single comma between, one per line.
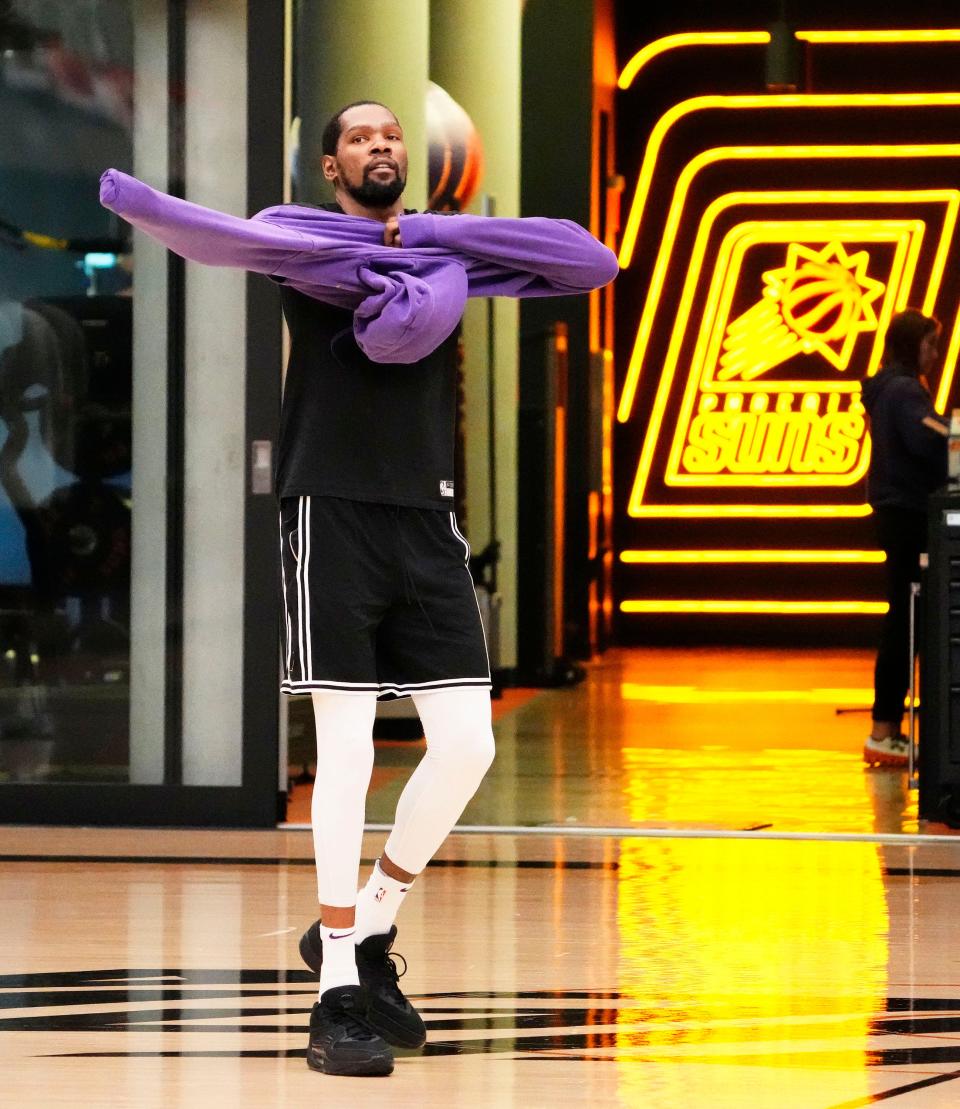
(67,78)
(136,682)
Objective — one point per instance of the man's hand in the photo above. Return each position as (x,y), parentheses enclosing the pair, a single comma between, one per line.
(391,232)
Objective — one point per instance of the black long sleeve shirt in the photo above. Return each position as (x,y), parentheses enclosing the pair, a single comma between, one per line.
(909,460)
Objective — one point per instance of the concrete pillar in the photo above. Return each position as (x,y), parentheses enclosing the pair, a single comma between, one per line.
(148,613)
(475,57)
(215,449)
(377,50)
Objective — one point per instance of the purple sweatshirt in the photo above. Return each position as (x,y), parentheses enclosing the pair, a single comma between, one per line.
(406,300)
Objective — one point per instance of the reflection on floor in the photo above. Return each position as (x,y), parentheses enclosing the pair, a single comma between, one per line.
(160,969)
(726,739)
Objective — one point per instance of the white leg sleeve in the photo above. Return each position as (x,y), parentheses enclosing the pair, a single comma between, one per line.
(344,765)
(457,726)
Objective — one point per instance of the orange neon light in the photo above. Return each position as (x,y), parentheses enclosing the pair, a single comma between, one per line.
(765,607)
(654,49)
(736,556)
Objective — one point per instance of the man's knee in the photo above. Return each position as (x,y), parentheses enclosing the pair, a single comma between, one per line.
(478,748)
(468,752)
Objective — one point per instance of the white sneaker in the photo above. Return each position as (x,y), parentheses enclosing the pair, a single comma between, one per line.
(892,751)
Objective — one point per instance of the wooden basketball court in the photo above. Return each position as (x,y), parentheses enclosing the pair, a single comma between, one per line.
(681,960)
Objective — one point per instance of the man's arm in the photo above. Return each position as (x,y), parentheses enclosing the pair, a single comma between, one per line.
(404,305)
(201,234)
(533,256)
(915,420)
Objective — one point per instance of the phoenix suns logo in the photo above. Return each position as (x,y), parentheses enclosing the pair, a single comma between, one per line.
(765,399)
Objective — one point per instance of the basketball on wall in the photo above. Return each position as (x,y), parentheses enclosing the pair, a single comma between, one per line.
(456,153)
(823,298)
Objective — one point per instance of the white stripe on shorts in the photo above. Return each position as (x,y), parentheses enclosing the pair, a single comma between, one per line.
(299,577)
(380,690)
(466,561)
(306,592)
(286,609)
(461,537)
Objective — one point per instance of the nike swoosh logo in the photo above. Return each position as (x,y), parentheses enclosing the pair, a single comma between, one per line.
(342,936)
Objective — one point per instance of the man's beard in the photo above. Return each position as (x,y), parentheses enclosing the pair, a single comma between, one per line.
(376,194)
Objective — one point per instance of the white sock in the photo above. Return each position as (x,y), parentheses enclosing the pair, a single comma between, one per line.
(339,967)
(378,903)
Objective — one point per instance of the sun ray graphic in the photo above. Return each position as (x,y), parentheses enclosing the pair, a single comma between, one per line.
(819,302)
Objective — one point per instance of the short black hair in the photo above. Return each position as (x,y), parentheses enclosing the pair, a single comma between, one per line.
(901,344)
(334,128)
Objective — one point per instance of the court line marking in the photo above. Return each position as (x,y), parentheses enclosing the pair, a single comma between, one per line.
(673,833)
(304,860)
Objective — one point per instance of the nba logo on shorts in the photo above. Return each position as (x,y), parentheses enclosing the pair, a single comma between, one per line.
(446,488)
(381,894)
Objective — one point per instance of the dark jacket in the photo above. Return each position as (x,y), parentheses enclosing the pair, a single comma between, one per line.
(909,460)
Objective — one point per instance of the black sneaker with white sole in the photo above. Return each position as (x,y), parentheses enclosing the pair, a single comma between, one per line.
(341,1042)
(388,1012)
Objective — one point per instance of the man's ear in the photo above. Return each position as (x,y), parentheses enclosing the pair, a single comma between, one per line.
(328,164)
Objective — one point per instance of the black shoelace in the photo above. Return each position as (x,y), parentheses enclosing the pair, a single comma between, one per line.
(345,1017)
(386,971)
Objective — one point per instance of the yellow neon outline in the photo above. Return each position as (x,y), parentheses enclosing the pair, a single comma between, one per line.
(771,607)
(719,511)
(692,695)
(949,365)
(882,38)
(654,49)
(951,197)
(778,284)
(758,153)
(692,557)
(729,260)
(785,100)
(754,232)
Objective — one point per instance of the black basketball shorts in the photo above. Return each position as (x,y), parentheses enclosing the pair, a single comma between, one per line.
(377,599)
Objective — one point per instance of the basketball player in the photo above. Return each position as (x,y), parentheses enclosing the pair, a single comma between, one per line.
(378,599)
(391,609)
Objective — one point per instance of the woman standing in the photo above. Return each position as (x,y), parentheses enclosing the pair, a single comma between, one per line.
(909,461)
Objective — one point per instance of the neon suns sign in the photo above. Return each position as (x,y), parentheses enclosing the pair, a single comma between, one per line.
(818,303)
(763,307)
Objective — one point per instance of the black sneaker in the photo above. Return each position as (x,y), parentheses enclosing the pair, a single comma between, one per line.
(388,1011)
(340,1041)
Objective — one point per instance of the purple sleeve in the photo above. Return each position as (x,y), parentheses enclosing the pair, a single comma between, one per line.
(197,233)
(410,308)
(404,304)
(533,256)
